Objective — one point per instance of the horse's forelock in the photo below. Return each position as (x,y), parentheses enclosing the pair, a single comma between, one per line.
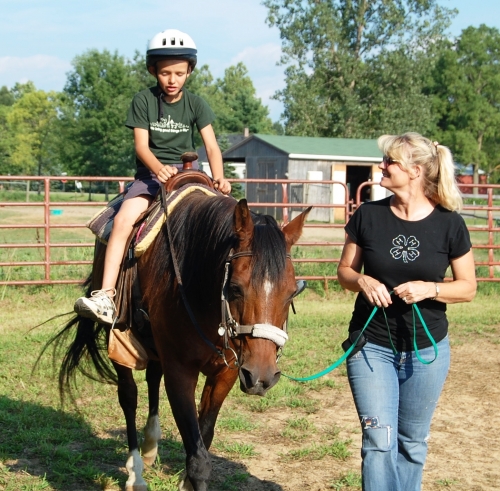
(269,251)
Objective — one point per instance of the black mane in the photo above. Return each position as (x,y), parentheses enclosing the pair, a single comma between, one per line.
(202,233)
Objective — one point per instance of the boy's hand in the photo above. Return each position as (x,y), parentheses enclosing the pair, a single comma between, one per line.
(165,173)
(222,185)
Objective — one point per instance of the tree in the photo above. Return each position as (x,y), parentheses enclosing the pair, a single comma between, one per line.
(6,102)
(30,122)
(242,108)
(355,67)
(466,88)
(233,100)
(98,93)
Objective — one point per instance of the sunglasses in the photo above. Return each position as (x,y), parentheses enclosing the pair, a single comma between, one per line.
(388,161)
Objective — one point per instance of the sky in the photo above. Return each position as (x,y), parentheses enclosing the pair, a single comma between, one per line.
(40,38)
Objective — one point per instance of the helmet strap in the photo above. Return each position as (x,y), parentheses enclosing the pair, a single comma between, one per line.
(160,105)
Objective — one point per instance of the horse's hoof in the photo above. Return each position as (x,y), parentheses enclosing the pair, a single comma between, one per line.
(137,487)
(185,483)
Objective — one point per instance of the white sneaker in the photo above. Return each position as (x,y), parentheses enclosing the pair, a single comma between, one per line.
(99,307)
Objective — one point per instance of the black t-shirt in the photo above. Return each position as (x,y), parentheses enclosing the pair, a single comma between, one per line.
(396,251)
(173,135)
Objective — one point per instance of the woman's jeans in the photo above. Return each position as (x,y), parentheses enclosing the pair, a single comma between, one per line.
(395,396)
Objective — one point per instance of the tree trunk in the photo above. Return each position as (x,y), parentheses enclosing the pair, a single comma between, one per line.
(475,178)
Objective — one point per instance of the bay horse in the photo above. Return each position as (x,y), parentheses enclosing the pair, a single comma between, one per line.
(239,282)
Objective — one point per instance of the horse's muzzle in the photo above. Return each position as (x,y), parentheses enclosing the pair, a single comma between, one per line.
(253,383)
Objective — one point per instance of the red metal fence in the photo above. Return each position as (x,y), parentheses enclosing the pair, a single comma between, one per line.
(321,243)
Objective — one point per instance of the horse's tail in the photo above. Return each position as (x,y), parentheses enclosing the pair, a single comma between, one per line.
(86,353)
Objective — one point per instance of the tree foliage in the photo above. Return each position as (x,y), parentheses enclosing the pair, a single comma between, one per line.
(233,99)
(465,85)
(98,92)
(30,126)
(355,68)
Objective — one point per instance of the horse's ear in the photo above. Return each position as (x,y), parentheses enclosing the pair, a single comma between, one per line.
(243,223)
(293,229)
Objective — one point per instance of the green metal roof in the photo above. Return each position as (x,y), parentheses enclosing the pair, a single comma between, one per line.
(308,145)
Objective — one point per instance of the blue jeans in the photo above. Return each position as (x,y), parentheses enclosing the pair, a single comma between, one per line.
(395,396)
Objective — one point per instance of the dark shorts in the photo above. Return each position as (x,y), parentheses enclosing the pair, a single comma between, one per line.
(146,183)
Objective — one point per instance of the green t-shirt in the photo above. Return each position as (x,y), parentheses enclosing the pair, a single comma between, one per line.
(173,135)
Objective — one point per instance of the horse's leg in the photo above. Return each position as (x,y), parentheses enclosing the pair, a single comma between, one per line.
(217,387)
(127,395)
(152,430)
(180,384)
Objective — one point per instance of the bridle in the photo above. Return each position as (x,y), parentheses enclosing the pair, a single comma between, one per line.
(229,327)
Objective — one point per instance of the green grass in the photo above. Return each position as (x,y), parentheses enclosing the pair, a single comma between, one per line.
(447,483)
(337,450)
(18,196)
(351,480)
(46,446)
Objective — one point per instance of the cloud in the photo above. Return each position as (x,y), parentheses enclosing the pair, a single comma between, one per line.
(46,72)
(267,78)
(259,58)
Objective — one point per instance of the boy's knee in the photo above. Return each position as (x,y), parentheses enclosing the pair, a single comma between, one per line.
(123,222)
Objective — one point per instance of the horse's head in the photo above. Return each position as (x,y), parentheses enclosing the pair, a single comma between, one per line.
(259,289)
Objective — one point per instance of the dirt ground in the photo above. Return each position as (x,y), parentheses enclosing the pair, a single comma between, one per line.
(464,450)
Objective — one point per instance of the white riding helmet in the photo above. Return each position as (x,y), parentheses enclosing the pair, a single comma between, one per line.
(171,44)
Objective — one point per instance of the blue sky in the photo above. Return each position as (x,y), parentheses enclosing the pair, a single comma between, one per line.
(39,38)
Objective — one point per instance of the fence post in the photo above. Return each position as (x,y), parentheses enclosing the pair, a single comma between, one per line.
(285,200)
(490,233)
(47,228)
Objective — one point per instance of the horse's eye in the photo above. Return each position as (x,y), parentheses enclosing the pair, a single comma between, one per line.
(235,292)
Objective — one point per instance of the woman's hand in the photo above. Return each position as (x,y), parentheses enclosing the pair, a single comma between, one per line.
(222,185)
(350,277)
(166,172)
(374,291)
(415,291)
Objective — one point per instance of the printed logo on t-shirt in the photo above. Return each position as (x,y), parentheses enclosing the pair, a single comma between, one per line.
(168,126)
(405,248)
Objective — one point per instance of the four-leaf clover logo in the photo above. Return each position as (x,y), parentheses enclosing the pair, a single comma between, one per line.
(405,248)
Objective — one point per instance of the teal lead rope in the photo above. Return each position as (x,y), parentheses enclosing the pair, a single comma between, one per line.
(341,360)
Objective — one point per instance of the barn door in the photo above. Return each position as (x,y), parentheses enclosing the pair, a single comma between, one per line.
(266,168)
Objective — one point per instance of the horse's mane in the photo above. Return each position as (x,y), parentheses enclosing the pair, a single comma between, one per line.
(202,233)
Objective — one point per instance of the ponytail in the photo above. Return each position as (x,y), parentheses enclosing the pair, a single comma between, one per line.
(448,194)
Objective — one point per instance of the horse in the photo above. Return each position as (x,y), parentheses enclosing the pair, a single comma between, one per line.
(217,283)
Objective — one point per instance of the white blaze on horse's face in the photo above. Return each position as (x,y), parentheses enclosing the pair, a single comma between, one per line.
(268,289)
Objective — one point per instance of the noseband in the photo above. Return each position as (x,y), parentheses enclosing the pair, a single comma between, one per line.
(229,328)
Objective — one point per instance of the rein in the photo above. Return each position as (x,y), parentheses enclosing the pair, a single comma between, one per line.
(180,284)
(228,328)
(341,360)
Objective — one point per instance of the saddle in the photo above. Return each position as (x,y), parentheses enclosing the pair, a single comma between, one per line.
(131,341)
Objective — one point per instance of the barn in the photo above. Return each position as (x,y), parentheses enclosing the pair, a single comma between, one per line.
(347,160)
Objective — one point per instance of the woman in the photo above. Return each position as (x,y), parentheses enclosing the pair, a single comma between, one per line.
(396,254)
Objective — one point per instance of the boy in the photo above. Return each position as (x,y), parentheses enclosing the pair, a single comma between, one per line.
(163,119)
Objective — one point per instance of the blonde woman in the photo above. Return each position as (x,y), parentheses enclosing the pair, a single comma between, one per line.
(396,254)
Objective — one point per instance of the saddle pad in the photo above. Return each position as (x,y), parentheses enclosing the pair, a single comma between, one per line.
(102,223)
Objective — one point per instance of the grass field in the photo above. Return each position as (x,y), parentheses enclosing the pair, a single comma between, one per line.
(82,445)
